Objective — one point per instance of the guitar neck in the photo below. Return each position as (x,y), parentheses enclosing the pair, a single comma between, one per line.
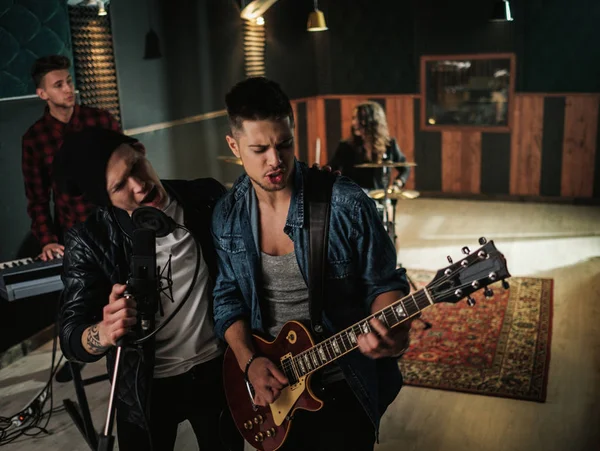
(345,341)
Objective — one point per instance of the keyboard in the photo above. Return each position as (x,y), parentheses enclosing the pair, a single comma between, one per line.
(28,277)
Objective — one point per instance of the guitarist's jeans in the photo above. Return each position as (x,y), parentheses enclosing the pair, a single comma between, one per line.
(341,424)
(196,396)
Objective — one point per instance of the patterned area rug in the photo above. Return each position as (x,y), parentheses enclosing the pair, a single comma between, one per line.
(499,347)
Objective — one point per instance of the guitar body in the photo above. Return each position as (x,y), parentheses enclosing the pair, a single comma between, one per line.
(266,428)
(294,351)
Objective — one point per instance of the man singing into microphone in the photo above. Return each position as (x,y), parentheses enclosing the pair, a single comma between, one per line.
(179,372)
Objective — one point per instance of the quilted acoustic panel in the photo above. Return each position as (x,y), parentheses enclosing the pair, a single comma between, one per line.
(94,59)
(29,29)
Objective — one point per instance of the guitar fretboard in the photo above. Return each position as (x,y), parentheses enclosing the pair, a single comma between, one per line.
(345,341)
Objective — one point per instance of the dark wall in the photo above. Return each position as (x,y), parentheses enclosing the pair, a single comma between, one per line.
(560,46)
(374,47)
(15,118)
(290,52)
(202,58)
(369,47)
(201,46)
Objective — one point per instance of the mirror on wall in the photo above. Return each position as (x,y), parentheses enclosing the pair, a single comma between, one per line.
(467,91)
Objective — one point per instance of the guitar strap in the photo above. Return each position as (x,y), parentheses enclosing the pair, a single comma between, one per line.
(318,187)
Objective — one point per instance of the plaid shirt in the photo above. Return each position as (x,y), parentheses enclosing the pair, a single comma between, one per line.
(40,144)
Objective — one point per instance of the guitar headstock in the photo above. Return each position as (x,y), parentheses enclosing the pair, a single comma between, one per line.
(476,271)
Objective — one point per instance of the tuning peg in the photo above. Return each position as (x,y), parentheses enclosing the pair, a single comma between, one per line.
(465,250)
(505,285)
(482,240)
(488,293)
(470,301)
(449,259)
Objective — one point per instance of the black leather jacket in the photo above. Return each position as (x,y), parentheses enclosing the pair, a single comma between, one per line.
(97,256)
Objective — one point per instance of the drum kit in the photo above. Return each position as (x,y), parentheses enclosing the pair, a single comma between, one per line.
(390,196)
(386,199)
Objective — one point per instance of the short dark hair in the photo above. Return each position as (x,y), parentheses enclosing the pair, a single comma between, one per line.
(255,99)
(47,64)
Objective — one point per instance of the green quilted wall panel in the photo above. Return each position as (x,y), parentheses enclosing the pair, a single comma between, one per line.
(29,29)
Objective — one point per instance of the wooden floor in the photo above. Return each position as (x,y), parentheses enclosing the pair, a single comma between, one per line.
(556,241)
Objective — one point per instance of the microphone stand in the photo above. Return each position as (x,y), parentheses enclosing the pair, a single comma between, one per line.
(106,440)
(142,285)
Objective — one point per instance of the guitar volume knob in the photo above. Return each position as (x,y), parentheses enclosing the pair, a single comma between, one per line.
(271,432)
(258,419)
(259,437)
(248,424)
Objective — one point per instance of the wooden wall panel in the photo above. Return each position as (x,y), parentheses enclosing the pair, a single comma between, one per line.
(471,162)
(400,116)
(451,160)
(321,131)
(461,162)
(296,132)
(579,146)
(459,152)
(311,128)
(347,107)
(316,129)
(526,145)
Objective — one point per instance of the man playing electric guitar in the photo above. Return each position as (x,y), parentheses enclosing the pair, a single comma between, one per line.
(261,237)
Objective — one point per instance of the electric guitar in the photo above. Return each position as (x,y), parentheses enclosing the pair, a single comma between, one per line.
(266,428)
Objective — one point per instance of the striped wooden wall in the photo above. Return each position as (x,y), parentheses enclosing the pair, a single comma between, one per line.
(552,151)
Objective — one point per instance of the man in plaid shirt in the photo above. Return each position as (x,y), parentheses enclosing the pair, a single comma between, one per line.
(41,142)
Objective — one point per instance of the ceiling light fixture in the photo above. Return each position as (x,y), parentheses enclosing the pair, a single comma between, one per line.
(502,12)
(316,20)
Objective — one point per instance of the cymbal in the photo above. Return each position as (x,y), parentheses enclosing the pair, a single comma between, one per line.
(386,164)
(394,193)
(228,159)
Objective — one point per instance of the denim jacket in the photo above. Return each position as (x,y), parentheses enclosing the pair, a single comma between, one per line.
(361,266)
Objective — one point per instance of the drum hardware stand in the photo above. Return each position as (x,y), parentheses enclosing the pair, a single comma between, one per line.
(392,224)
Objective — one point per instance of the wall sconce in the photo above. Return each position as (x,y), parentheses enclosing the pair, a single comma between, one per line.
(316,20)
(152,47)
(501,12)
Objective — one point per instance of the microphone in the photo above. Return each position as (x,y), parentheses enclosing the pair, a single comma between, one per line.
(153,219)
(142,283)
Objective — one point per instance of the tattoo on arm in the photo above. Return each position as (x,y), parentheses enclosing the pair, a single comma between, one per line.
(93,341)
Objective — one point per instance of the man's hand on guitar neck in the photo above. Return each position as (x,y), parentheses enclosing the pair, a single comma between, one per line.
(382,341)
(267,380)
(385,342)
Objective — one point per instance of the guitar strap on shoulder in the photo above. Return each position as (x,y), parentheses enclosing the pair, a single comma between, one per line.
(318,187)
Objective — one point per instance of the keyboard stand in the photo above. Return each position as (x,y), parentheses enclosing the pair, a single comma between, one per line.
(80,411)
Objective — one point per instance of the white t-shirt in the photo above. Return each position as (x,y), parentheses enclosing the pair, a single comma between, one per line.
(189,338)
